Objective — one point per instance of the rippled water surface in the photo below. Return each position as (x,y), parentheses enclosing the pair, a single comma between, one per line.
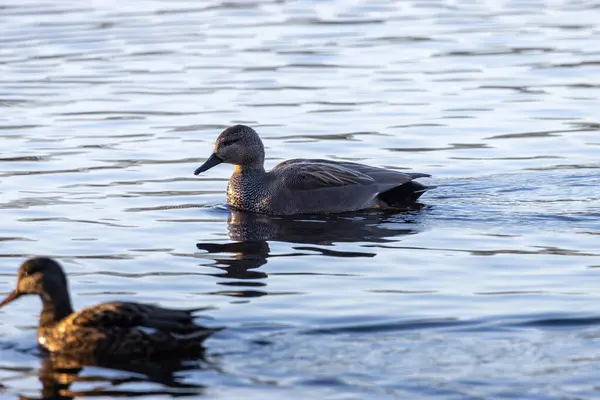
(490,291)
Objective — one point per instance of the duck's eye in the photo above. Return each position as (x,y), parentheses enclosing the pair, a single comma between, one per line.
(228,142)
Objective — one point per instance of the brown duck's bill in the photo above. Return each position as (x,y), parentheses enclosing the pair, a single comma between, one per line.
(211,162)
(12,296)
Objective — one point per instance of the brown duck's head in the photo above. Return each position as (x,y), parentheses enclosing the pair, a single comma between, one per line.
(38,275)
(237,145)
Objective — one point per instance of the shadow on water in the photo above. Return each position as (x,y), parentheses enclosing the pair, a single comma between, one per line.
(251,233)
(58,373)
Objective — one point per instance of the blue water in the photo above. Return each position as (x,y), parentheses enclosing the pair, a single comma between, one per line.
(491,290)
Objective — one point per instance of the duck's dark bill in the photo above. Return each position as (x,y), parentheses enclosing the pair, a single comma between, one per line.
(12,296)
(211,162)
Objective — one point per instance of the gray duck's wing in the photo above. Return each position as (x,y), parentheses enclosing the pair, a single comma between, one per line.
(385,178)
(311,175)
(130,315)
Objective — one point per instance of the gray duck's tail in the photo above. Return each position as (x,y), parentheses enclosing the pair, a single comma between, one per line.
(404,195)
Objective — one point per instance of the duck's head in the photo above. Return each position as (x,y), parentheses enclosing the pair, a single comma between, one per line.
(237,145)
(38,275)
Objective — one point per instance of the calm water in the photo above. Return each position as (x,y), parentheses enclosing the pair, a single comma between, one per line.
(491,291)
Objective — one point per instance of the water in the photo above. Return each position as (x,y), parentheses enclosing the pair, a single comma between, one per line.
(490,291)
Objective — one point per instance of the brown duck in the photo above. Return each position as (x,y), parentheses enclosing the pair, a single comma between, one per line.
(306,186)
(114,330)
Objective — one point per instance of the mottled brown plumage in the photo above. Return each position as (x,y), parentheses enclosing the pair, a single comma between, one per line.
(306,186)
(114,330)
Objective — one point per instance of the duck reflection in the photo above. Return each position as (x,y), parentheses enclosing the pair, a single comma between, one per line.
(251,234)
(58,373)
(371,226)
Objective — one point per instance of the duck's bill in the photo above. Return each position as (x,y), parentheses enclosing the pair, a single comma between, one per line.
(211,162)
(12,296)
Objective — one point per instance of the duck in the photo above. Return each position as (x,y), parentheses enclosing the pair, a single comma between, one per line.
(119,330)
(306,186)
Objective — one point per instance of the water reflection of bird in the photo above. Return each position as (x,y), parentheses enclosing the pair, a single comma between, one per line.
(104,331)
(251,232)
(58,372)
(306,186)
(371,227)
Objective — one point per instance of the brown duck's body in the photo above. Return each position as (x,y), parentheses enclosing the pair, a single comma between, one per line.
(306,186)
(124,330)
(107,330)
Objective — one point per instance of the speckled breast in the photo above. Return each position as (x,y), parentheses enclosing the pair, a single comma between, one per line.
(246,194)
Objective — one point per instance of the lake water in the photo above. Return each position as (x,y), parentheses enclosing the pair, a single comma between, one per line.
(491,290)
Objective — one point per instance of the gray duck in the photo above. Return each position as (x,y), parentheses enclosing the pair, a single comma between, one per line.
(306,186)
(113,330)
